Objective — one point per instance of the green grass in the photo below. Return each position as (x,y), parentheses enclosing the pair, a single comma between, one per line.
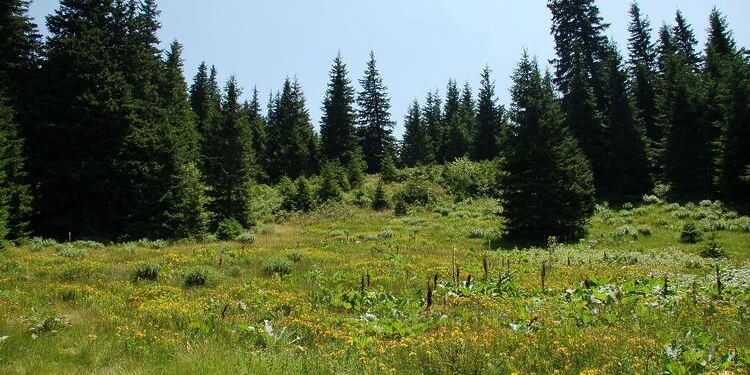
(70,312)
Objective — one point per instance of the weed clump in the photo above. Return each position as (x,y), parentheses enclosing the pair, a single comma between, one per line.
(228,229)
(71,251)
(245,239)
(281,266)
(690,233)
(295,255)
(197,276)
(147,271)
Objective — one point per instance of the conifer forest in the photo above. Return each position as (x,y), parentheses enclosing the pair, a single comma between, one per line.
(156,220)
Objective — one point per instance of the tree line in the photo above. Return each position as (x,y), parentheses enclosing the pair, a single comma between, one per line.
(101,135)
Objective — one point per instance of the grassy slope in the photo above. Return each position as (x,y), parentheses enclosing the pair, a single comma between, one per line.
(89,316)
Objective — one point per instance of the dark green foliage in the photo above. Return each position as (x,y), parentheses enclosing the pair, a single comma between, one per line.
(400,208)
(258,139)
(628,164)
(146,271)
(486,146)
(685,42)
(547,187)
(459,128)
(186,215)
(15,195)
(337,128)
(228,229)
(432,121)
(580,44)
(379,200)
(388,171)
(331,185)
(643,66)
(229,159)
(304,200)
(415,148)
(734,159)
(355,169)
(198,276)
(277,265)
(375,125)
(688,153)
(417,191)
(467,179)
(293,146)
(690,233)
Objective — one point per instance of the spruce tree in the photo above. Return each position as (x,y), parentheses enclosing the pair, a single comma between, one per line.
(432,114)
(455,142)
(580,44)
(548,187)
(468,114)
(415,148)
(185,201)
(374,119)
(86,114)
(293,145)
(685,42)
(338,136)
(627,157)
(734,159)
(488,120)
(643,64)
(19,49)
(6,125)
(258,137)
(229,160)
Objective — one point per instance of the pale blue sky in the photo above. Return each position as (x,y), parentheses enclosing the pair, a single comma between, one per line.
(419,44)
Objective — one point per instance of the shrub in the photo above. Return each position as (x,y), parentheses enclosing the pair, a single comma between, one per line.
(713,249)
(385,234)
(152,244)
(197,276)
(281,266)
(71,251)
(465,179)
(303,197)
(400,208)
(476,233)
(331,187)
(644,230)
(229,228)
(295,255)
(379,200)
(417,191)
(245,238)
(651,199)
(89,244)
(388,171)
(690,233)
(147,271)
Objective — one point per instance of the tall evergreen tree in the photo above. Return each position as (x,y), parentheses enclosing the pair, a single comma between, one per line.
(6,126)
(205,100)
(338,135)
(455,142)
(468,113)
(488,120)
(734,160)
(19,49)
(720,45)
(643,66)
(375,125)
(229,160)
(185,200)
(432,114)
(293,145)
(415,148)
(627,158)
(258,137)
(580,44)
(547,189)
(685,42)
(87,103)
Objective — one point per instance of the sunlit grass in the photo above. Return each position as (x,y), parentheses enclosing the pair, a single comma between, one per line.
(354,301)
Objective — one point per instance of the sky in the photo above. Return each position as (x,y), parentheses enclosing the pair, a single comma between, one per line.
(418,44)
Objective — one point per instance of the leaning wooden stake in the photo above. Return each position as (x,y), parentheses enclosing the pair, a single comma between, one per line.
(718,281)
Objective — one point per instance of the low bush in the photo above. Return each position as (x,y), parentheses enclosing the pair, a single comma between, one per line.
(228,229)
(281,266)
(690,233)
(147,271)
(197,276)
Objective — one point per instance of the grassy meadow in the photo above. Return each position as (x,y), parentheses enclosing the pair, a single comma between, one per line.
(348,290)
